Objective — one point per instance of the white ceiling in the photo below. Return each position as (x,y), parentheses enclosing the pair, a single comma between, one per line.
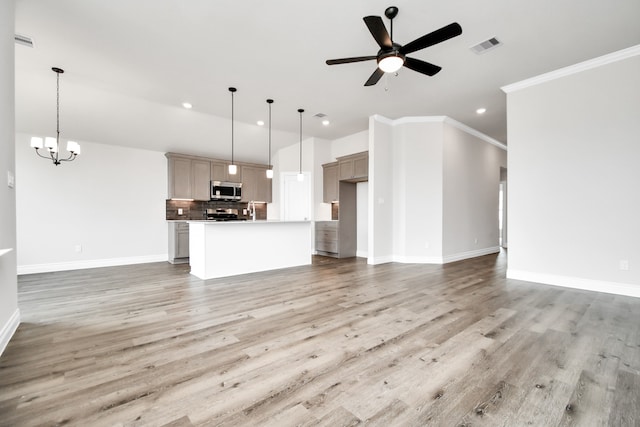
(131,63)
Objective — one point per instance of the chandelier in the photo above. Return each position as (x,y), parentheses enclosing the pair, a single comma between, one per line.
(53,144)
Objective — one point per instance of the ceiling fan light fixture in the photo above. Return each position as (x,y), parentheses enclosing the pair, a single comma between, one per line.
(391,63)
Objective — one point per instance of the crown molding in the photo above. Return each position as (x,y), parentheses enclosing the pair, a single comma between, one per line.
(573,69)
(440,119)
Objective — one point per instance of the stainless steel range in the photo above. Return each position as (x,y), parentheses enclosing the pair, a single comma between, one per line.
(220,214)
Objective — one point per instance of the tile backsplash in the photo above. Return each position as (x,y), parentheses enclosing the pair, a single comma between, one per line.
(195,210)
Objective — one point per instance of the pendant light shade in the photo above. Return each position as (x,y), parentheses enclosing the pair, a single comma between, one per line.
(233,169)
(300,174)
(53,144)
(270,169)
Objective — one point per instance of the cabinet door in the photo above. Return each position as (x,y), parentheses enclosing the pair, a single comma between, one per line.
(249,183)
(361,166)
(201,176)
(219,171)
(182,243)
(345,169)
(179,178)
(329,183)
(263,193)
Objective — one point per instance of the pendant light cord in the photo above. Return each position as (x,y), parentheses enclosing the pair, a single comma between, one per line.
(269,131)
(232,125)
(300,111)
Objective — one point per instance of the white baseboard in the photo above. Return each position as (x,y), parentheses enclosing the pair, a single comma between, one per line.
(447,258)
(8,329)
(380,260)
(362,254)
(470,254)
(626,289)
(79,265)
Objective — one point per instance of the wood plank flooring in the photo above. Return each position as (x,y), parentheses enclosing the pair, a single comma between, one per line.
(337,343)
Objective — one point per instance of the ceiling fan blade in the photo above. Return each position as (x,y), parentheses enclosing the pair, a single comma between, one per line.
(348,60)
(378,31)
(421,66)
(438,36)
(377,74)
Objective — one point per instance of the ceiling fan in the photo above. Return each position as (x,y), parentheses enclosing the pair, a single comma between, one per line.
(392,56)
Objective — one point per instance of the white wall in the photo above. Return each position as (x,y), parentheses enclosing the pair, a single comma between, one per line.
(442,180)
(471,191)
(573,192)
(418,192)
(362,219)
(9,313)
(356,143)
(380,190)
(110,201)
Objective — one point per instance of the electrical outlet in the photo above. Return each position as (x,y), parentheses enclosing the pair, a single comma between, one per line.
(624,264)
(179,211)
(11,179)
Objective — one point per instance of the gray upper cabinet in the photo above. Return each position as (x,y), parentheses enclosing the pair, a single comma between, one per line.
(255,184)
(354,167)
(200,178)
(179,177)
(190,178)
(330,182)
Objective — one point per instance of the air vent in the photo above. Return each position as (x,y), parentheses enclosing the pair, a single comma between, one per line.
(486,45)
(320,115)
(23,40)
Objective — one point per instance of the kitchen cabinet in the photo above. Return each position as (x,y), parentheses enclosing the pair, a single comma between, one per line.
(354,167)
(330,182)
(200,179)
(178,242)
(188,177)
(255,184)
(179,177)
(327,238)
(220,171)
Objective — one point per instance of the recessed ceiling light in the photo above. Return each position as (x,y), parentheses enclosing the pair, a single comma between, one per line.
(260,123)
(481,110)
(187,105)
(326,122)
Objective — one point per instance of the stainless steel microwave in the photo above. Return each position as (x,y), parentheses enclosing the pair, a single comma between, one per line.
(224,190)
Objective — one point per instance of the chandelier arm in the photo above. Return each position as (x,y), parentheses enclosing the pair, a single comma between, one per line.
(71,158)
(49,157)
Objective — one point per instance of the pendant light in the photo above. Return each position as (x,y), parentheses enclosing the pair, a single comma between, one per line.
(53,144)
(300,174)
(270,170)
(233,169)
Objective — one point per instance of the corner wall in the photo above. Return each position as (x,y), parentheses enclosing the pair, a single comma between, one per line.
(573,175)
(9,312)
(110,202)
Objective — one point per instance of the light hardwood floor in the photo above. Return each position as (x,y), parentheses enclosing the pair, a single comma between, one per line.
(337,343)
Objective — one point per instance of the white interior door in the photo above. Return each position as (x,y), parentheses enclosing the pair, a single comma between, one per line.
(296,197)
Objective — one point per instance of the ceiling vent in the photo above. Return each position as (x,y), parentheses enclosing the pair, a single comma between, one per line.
(486,45)
(23,40)
(320,115)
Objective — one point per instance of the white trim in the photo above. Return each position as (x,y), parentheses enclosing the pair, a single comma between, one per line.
(573,69)
(8,329)
(470,254)
(440,119)
(473,132)
(626,289)
(94,263)
(380,260)
(417,259)
(362,254)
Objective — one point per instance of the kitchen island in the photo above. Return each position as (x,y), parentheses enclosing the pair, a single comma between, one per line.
(228,248)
